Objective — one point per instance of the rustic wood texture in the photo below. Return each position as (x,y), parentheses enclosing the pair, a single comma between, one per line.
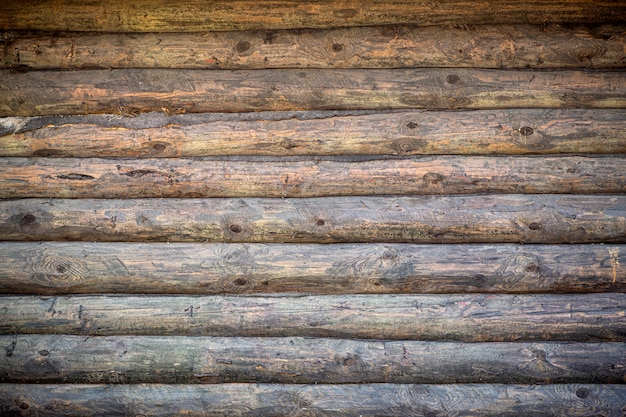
(306,177)
(463,318)
(489,46)
(479,132)
(176,360)
(131,91)
(424,219)
(197,15)
(250,400)
(183,268)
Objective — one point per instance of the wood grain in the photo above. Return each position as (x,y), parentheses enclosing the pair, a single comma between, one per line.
(463,318)
(306,177)
(485,46)
(479,132)
(197,15)
(203,268)
(261,400)
(133,91)
(425,219)
(176,360)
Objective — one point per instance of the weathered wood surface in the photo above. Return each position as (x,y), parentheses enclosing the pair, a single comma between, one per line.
(202,268)
(175,360)
(518,131)
(463,318)
(488,46)
(306,177)
(197,15)
(424,219)
(261,400)
(131,91)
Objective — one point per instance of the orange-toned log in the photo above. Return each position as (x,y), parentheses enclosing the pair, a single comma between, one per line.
(198,15)
(205,268)
(455,317)
(517,131)
(425,219)
(484,46)
(308,177)
(133,91)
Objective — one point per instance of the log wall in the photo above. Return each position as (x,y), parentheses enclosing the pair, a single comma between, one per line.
(313,208)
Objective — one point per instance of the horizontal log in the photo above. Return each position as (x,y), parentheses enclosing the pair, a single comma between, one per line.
(488,46)
(306,177)
(197,15)
(260,400)
(132,91)
(463,318)
(201,268)
(176,360)
(518,131)
(425,219)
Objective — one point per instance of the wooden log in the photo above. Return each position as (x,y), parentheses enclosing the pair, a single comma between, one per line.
(132,91)
(176,360)
(306,177)
(463,318)
(314,400)
(252,400)
(182,268)
(197,15)
(425,219)
(519,131)
(487,46)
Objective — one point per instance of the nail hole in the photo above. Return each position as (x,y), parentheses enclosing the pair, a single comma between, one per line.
(453,79)
(526,131)
(320,222)
(159,147)
(411,125)
(240,282)
(534,226)
(243,46)
(235,228)
(44,352)
(24,406)
(28,219)
(582,392)
(337,47)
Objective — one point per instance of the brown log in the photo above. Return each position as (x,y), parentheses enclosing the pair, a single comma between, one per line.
(518,131)
(176,360)
(261,400)
(197,15)
(306,177)
(182,268)
(488,46)
(425,219)
(132,91)
(463,318)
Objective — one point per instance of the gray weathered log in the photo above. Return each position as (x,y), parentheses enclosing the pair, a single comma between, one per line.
(306,177)
(465,318)
(133,91)
(425,219)
(479,132)
(262,400)
(158,359)
(485,46)
(202,268)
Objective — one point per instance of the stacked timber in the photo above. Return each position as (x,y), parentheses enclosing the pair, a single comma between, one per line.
(309,208)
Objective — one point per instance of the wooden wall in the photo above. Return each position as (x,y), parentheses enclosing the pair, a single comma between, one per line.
(313,208)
